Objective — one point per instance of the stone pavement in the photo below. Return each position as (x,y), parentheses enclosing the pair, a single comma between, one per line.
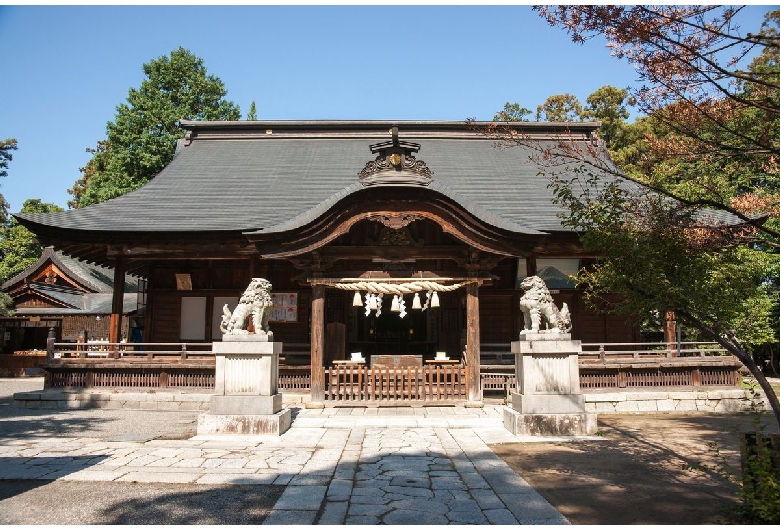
(428,465)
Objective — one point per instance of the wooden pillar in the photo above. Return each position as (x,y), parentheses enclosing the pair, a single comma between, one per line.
(317,346)
(473,386)
(117,302)
(670,332)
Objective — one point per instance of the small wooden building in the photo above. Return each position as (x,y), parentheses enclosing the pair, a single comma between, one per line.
(71,296)
(64,295)
(317,207)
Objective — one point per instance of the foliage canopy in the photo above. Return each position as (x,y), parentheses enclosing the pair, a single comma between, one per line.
(699,237)
(142,138)
(18,247)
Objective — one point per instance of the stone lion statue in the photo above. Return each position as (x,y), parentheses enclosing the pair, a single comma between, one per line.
(537,307)
(255,303)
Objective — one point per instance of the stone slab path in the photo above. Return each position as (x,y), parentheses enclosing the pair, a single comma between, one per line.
(338,465)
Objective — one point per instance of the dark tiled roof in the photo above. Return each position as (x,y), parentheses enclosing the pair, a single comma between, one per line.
(94,277)
(77,303)
(67,296)
(235,177)
(256,182)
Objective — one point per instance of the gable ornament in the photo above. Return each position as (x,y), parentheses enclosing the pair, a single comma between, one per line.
(395,164)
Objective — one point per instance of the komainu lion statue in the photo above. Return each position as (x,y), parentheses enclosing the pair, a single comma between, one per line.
(255,303)
(537,306)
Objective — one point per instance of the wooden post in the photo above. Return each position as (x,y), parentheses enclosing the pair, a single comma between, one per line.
(670,333)
(473,387)
(117,302)
(317,346)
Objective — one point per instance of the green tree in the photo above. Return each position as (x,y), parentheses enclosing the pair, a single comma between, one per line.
(96,165)
(609,105)
(252,114)
(3,210)
(18,247)
(658,253)
(6,305)
(710,141)
(6,146)
(142,138)
(513,112)
(560,108)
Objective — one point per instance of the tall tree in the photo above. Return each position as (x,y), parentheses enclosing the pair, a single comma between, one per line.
(609,105)
(513,112)
(6,146)
(561,108)
(710,141)
(18,247)
(252,114)
(96,165)
(705,102)
(142,138)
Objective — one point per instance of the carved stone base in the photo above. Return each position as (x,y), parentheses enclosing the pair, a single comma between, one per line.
(245,424)
(575,424)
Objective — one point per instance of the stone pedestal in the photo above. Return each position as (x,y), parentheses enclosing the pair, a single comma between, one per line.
(548,401)
(246,400)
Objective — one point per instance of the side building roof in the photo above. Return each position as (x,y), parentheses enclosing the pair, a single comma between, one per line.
(89,276)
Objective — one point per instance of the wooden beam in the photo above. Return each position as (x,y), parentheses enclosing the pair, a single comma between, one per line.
(392,253)
(182,251)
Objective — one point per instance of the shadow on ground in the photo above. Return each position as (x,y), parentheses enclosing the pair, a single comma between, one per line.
(647,469)
(113,503)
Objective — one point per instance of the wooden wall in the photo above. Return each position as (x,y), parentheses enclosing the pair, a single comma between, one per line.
(500,317)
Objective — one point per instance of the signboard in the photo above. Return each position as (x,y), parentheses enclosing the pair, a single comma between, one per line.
(285,308)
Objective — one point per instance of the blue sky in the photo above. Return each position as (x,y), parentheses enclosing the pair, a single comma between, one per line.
(65,69)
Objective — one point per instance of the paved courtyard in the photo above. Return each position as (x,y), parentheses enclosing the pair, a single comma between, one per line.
(337,466)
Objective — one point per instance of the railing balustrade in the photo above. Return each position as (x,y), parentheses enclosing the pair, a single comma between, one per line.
(130,350)
(184,364)
(641,350)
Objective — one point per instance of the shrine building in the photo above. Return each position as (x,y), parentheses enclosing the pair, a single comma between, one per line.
(332,212)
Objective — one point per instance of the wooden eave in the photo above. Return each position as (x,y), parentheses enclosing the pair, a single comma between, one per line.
(385,205)
(138,248)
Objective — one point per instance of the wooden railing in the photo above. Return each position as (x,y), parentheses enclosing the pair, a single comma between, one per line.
(602,366)
(409,384)
(647,350)
(132,350)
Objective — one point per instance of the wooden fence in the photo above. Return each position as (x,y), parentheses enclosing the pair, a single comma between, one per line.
(191,365)
(410,384)
(657,365)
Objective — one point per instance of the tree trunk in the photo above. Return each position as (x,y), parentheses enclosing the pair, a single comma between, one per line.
(737,351)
